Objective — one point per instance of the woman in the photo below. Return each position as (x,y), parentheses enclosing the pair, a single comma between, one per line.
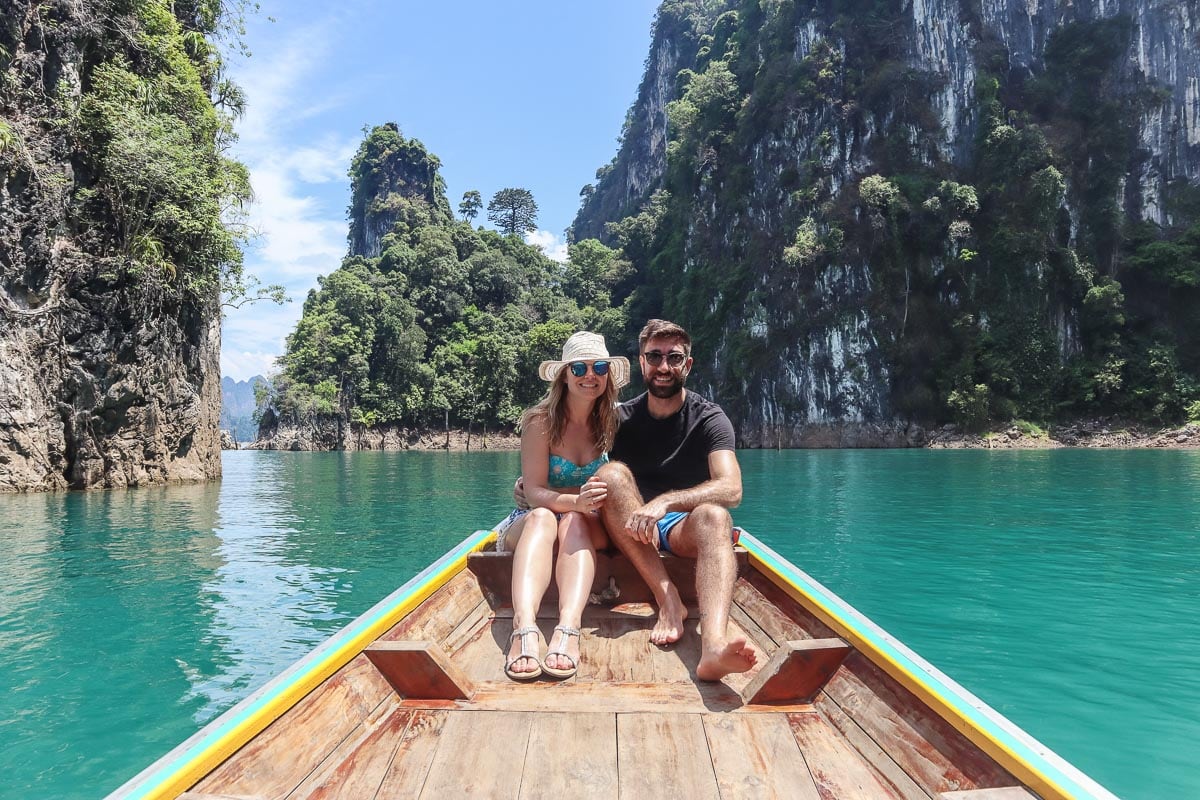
(564,440)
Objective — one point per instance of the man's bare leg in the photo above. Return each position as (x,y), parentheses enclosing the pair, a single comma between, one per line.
(705,536)
(623,500)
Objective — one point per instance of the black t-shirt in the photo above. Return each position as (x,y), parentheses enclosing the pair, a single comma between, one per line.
(669,454)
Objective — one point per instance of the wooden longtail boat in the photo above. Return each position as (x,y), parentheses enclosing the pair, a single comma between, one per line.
(410,700)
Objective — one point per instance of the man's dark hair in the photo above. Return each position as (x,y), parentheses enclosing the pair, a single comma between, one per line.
(656,328)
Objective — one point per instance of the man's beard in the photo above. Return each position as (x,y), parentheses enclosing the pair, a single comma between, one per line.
(665,392)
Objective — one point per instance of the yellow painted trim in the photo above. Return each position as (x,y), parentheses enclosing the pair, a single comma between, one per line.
(189,774)
(1011,761)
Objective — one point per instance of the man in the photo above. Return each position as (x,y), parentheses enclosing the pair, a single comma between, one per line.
(673,477)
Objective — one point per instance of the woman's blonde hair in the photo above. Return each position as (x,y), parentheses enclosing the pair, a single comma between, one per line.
(552,409)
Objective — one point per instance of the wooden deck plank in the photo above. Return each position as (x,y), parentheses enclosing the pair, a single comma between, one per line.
(466,630)
(756,756)
(440,615)
(537,696)
(621,651)
(571,756)
(768,614)
(869,749)
(356,769)
(760,638)
(785,606)
(929,749)
(664,750)
(836,768)
(308,732)
(999,793)
(412,755)
(495,743)
(481,657)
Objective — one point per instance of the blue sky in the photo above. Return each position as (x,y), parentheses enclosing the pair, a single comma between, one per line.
(530,94)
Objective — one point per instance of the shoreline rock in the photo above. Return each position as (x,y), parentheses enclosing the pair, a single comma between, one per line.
(1096,434)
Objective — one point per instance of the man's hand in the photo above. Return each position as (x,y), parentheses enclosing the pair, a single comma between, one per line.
(519,494)
(642,524)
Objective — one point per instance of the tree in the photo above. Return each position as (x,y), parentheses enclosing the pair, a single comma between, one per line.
(468,209)
(513,211)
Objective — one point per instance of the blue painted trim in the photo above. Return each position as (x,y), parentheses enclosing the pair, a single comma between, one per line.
(1036,756)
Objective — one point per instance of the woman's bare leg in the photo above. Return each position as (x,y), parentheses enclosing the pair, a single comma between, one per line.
(531,576)
(574,572)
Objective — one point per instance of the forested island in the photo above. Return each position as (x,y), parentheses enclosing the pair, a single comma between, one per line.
(876,219)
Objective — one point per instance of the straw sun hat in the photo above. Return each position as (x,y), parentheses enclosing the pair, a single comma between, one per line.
(585,346)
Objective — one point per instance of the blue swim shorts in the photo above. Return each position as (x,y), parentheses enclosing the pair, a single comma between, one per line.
(672,519)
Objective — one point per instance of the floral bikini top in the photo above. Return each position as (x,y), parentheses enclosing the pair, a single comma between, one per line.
(565,474)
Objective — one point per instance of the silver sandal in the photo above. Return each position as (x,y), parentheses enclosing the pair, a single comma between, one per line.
(525,653)
(561,652)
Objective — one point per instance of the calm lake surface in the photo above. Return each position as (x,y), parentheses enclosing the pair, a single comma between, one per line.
(1062,587)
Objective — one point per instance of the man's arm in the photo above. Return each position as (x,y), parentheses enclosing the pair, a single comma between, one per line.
(723,488)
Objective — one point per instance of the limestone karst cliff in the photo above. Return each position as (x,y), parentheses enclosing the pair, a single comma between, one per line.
(875,216)
(112,246)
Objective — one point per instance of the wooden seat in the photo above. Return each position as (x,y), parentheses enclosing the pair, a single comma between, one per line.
(420,670)
(494,571)
(796,671)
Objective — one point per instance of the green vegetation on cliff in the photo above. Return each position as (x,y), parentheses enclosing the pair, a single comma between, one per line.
(1016,281)
(147,116)
(446,323)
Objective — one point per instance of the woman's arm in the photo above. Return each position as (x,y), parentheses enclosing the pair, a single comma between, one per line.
(535,471)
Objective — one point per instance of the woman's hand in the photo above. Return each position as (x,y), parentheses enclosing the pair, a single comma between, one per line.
(591,495)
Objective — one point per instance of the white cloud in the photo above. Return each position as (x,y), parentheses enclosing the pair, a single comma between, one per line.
(550,244)
(297,235)
(298,174)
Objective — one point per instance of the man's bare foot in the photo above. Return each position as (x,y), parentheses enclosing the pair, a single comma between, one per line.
(671,614)
(736,655)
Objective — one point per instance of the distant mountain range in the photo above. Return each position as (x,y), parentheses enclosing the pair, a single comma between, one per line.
(237,407)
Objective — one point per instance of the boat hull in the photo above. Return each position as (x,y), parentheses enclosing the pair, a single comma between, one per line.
(835,703)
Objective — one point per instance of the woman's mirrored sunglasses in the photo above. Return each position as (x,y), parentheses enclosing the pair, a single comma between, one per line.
(655,357)
(580,368)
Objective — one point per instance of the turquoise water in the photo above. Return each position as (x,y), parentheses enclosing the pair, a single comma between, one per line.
(1059,586)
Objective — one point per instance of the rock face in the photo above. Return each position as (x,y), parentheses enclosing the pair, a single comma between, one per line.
(826,308)
(90,401)
(108,367)
(385,185)
(329,432)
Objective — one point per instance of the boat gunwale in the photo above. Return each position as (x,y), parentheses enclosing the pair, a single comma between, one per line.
(186,764)
(1052,776)
(1029,760)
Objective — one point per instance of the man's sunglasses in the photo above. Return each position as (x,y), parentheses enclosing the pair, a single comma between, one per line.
(580,368)
(655,357)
